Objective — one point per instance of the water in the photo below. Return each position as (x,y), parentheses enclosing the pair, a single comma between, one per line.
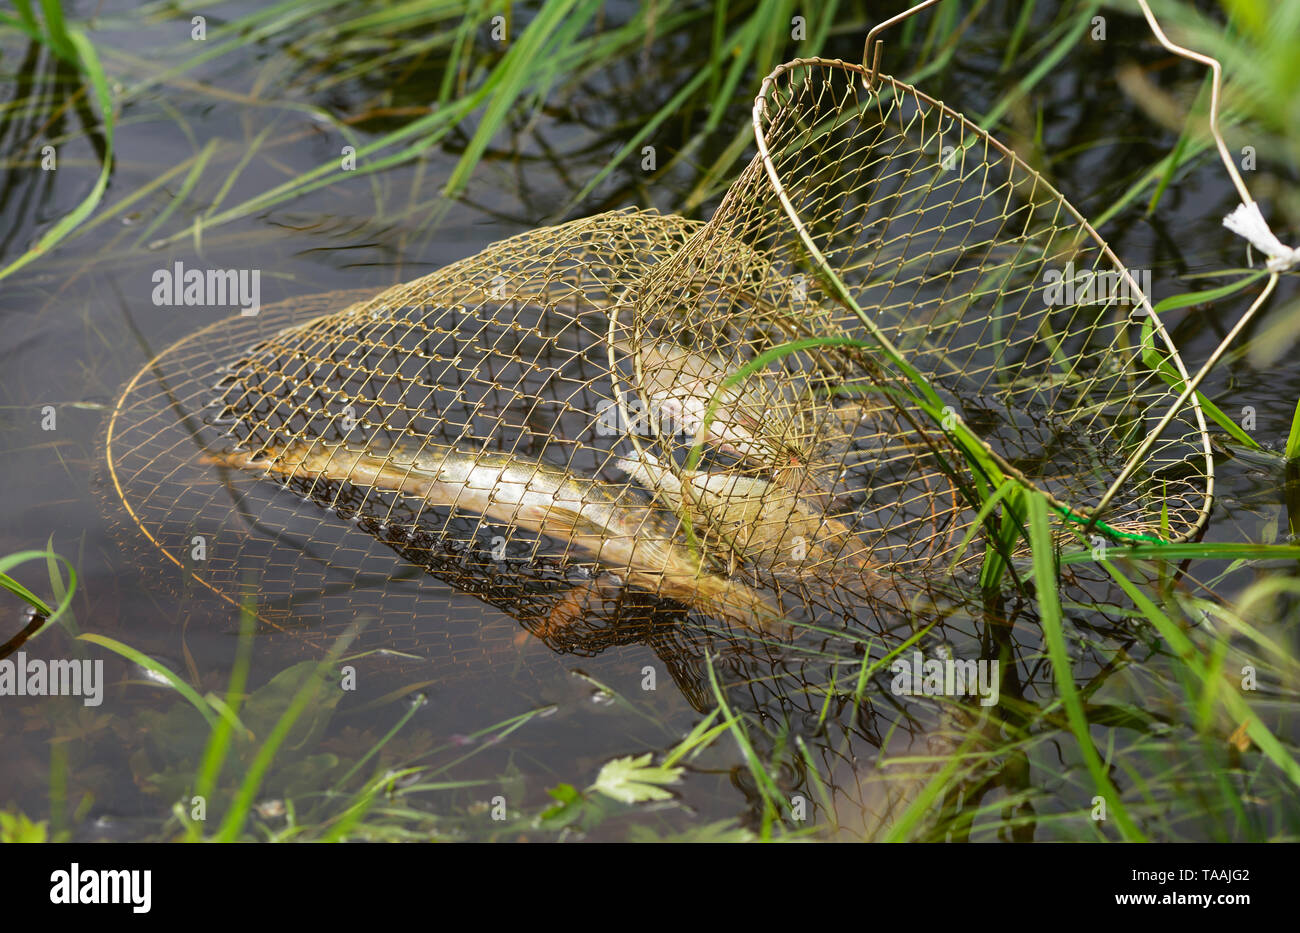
(80,322)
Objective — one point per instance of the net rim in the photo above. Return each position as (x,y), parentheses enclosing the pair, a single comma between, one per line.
(1145,308)
(126,396)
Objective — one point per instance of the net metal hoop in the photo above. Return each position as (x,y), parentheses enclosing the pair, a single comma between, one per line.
(874,82)
(735,222)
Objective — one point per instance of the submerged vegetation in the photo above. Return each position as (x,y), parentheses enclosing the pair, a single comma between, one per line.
(1148,691)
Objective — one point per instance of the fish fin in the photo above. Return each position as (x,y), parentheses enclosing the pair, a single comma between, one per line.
(568,610)
(572,522)
(738,603)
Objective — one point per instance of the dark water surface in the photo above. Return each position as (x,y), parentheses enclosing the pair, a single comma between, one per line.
(78,323)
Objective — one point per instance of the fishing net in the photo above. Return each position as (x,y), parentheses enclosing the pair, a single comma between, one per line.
(502,353)
(640,431)
(898,254)
(790,413)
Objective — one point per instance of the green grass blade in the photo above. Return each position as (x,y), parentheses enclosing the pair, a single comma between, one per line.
(7,582)
(508,82)
(148,663)
(94,71)
(218,745)
(235,817)
(1186,651)
(1293,439)
(1049,605)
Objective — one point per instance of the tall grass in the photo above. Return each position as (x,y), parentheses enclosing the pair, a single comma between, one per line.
(71,45)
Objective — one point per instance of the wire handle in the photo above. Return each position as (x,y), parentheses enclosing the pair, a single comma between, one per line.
(1247,221)
(872,62)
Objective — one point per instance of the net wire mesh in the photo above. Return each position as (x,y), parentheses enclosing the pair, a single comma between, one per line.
(637,416)
(890,242)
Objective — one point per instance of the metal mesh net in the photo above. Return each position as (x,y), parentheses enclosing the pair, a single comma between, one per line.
(880,241)
(636,416)
(462,423)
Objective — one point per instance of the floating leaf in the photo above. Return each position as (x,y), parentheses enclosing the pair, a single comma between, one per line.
(723,831)
(567,808)
(635,780)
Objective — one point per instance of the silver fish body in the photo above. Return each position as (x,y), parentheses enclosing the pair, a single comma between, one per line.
(767,525)
(755,419)
(593,519)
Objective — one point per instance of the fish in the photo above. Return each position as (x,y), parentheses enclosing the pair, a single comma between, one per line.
(755,420)
(832,431)
(796,437)
(767,525)
(611,525)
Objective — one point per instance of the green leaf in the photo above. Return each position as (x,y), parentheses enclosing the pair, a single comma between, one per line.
(568,801)
(1293,439)
(1191,656)
(16,827)
(131,654)
(56,30)
(1049,608)
(723,831)
(507,84)
(7,582)
(1188,299)
(635,780)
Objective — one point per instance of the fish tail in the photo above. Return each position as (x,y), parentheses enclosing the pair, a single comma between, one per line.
(649,472)
(726,599)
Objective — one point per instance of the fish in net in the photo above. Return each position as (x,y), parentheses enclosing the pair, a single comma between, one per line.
(790,414)
(465,424)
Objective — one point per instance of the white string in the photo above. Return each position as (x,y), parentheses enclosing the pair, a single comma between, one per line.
(1247,221)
